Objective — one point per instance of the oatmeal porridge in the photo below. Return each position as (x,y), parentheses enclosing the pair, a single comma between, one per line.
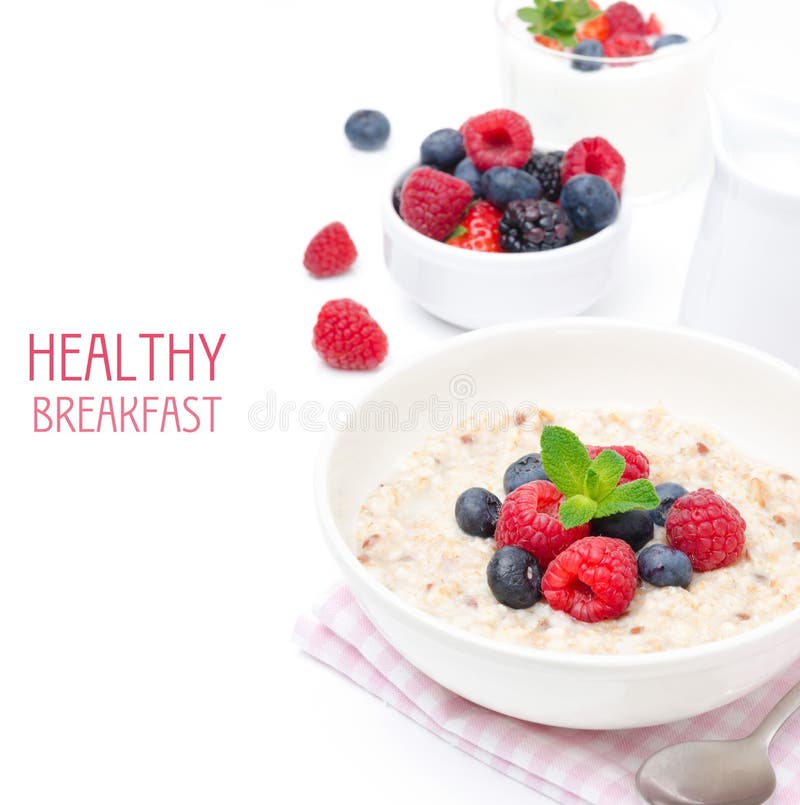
(407,535)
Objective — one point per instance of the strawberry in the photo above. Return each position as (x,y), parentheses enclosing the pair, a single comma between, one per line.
(653,27)
(594,29)
(548,42)
(478,230)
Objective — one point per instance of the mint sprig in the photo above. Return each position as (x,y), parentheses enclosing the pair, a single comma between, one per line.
(590,486)
(558,19)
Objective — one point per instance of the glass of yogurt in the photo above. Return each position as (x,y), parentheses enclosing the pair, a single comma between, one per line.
(653,107)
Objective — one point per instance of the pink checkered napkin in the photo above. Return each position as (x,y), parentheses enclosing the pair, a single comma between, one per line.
(569,766)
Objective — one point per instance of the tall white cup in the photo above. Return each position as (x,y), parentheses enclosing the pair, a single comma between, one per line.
(744,279)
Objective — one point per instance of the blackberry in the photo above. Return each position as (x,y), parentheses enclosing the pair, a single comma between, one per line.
(546,167)
(531,225)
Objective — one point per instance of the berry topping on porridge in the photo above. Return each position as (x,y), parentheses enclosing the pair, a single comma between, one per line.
(668,493)
(566,547)
(708,529)
(524,470)
(634,527)
(592,580)
(476,512)
(663,566)
(529,519)
(514,577)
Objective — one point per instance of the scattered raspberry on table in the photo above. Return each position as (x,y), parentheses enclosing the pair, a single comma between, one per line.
(330,252)
(347,337)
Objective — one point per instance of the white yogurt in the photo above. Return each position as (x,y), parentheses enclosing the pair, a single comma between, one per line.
(652,110)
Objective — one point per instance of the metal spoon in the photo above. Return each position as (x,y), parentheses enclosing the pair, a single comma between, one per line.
(717,772)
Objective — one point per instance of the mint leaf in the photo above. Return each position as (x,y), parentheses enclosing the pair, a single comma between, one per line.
(592,484)
(565,460)
(581,9)
(562,28)
(557,19)
(576,510)
(608,466)
(529,14)
(639,494)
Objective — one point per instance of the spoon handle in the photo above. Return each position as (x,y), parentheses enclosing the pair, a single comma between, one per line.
(778,716)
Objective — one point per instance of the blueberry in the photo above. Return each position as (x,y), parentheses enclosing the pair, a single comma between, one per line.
(664,566)
(634,527)
(501,185)
(588,47)
(476,512)
(443,149)
(524,470)
(514,577)
(367,129)
(590,202)
(467,171)
(669,39)
(667,493)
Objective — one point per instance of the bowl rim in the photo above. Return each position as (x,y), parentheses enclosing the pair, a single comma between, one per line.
(337,544)
(395,226)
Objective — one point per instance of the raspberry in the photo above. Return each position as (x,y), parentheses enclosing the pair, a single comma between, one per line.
(480,229)
(637,464)
(592,580)
(708,529)
(330,252)
(624,18)
(622,45)
(432,202)
(498,138)
(529,519)
(594,155)
(347,337)
(594,29)
(653,26)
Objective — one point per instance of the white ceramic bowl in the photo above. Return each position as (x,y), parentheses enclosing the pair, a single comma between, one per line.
(478,289)
(750,397)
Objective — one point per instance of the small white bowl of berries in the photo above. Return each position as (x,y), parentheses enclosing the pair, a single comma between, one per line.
(489,229)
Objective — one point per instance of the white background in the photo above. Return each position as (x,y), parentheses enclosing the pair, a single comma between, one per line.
(162,166)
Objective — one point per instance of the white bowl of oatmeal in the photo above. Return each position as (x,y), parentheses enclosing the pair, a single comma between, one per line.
(707,412)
